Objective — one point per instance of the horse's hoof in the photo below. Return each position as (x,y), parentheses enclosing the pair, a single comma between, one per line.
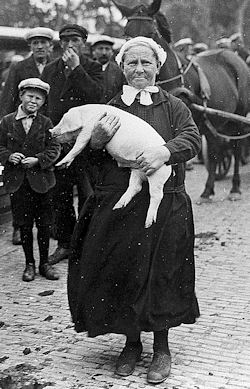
(234,196)
(204,200)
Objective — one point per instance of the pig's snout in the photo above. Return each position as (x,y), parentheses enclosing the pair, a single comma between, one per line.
(55,132)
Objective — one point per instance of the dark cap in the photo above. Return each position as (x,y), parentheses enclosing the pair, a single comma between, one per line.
(73,30)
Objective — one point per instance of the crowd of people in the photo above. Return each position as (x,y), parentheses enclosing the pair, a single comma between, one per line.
(122,277)
(234,42)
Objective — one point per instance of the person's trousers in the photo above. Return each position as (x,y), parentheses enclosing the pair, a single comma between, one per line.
(63,201)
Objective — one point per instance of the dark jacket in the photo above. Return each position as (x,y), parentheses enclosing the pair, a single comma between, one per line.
(37,143)
(113,79)
(18,72)
(84,85)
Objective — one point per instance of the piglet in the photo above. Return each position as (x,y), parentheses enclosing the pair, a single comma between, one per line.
(130,140)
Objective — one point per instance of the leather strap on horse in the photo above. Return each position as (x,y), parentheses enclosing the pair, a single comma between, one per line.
(217,134)
(204,84)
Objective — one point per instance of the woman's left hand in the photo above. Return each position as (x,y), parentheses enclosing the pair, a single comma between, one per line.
(152,159)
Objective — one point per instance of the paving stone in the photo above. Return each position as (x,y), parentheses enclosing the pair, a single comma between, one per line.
(214,353)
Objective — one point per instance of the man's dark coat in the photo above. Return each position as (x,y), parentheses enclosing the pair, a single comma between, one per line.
(113,81)
(37,143)
(84,85)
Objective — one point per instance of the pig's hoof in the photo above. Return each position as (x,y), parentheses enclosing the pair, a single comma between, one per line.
(119,205)
(122,203)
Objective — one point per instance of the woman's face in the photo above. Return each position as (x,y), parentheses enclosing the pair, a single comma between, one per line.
(140,66)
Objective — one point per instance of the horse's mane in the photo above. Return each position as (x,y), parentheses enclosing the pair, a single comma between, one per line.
(163,26)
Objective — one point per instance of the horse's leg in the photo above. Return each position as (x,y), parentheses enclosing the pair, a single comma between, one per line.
(212,161)
(135,186)
(156,183)
(235,193)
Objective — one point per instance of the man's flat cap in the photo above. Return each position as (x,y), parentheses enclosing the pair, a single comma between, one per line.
(40,32)
(73,30)
(183,42)
(102,39)
(235,36)
(34,83)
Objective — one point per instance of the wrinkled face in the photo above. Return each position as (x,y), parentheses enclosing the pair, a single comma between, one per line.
(41,48)
(140,66)
(102,52)
(32,100)
(73,42)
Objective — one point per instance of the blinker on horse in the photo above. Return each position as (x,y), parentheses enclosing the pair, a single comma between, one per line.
(228,80)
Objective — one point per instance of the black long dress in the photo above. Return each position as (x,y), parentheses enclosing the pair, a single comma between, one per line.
(122,277)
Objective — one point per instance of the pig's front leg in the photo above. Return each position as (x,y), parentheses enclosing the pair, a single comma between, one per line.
(135,186)
(80,143)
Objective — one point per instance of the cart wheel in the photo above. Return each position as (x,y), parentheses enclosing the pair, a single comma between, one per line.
(223,164)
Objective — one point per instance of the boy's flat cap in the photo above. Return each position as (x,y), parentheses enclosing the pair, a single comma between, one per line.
(40,32)
(34,83)
(73,30)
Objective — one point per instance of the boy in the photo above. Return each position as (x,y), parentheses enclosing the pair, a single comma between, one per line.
(28,152)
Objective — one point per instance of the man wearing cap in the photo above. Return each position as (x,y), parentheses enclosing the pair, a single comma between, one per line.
(113,78)
(74,80)
(237,45)
(40,42)
(184,46)
(28,153)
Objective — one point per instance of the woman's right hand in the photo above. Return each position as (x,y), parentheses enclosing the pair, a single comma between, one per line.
(104,130)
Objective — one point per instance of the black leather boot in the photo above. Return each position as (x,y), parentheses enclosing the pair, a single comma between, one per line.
(58,255)
(47,271)
(127,359)
(29,272)
(159,368)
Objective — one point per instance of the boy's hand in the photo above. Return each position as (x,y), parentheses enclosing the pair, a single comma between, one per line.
(29,162)
(15,158)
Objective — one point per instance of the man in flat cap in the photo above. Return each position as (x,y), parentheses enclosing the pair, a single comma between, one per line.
(113,78)
(74,80)
(237,45)
(40,43)
(28,152)
(185,46)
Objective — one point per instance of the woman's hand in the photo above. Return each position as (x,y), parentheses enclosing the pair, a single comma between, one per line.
(29,162)
(104,130)
(152,159)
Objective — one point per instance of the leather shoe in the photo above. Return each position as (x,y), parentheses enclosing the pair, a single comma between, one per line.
(16,237)
(58,255)
(127,360)
(29,273)
(159,368)
(47,271)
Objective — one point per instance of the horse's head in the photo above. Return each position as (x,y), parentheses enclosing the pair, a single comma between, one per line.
(141,19)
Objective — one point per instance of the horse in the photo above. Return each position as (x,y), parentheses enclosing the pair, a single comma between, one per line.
(216,78)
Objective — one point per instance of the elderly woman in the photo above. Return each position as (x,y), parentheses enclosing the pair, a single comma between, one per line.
(123,278)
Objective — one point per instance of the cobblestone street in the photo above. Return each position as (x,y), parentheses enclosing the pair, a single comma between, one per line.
(39,348)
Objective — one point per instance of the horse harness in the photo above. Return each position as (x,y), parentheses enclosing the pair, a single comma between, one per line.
(205,93)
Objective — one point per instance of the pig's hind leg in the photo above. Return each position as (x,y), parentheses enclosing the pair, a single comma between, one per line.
(156,184)
(135,186)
